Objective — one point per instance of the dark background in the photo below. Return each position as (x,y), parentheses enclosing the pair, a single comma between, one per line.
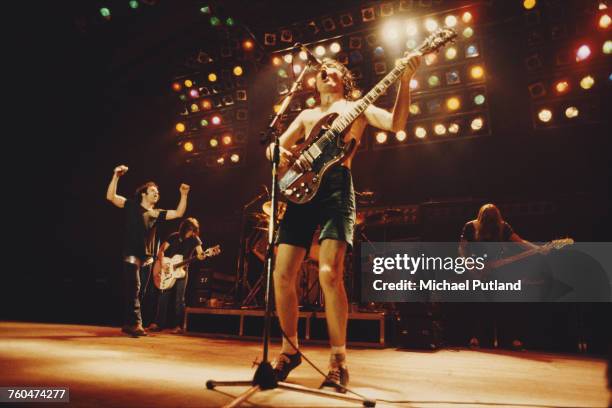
(103,99)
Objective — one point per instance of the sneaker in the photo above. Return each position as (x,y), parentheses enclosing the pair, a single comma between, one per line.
(134,331)
(474,343)
(153,327)
(337,377)
(284,364)
(177,330)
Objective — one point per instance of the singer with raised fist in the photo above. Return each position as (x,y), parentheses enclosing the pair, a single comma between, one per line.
(333,209)
(141,220)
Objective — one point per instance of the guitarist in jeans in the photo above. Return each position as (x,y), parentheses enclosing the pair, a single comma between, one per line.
(333,209)
(183,242)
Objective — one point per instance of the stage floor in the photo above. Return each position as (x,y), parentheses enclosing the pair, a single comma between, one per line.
(104,368)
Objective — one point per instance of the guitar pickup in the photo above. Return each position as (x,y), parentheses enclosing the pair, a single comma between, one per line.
(314,151)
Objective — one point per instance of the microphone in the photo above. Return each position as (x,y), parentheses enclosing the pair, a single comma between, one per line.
(310,56)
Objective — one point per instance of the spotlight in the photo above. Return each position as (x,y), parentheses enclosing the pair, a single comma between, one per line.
(276,61)
(583,53)
(471,51)
(379,51)
(607,47)
(212,77)
(466,17)
(381,137)
(238,70)
(226,140)
(247,45)
(194,107)
(545,115)
(380,68)
(355,43)
(477,72)
(562,86)
(288,58)
(479,99)
(194,93)
(537,90)
(346,20)
(133,4)
(450,21)
(412,29)
(440,129)
(286,36)
(414,84)
(414,109)
(312,81)
(529,4)
(213,142)
(356,94)
(401,136)
(105,12)
(235,158)
(176,87)
(282,73)
(477,123)
(452,77)
(431,25)
(215,21)
(320,50)
(269,39)
(216,120)
(433,81)
(188,146)
(205,9)
(420,132)
(230,22)
(206,104)
(297,68)
(221,161)
(367,14)
(468,32)
(411,44)
(180,127)
(203,123)
(571,112)
(310,102)
(453,103)
(328,24)
(453,128)
(390,32)
(451,53)
(430,59)
(188,83)
(604,21)
(335,47)
(587,82)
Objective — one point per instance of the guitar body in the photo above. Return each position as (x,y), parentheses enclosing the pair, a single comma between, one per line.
(300,186)
(166,276)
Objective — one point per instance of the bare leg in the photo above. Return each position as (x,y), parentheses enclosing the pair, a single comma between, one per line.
(331,270)
(288,261)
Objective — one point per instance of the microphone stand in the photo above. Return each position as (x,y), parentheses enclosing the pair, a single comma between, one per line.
(264,378)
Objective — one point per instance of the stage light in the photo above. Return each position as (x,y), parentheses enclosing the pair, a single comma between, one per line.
(602,6)
(390,32)
(276,61)
(604,21)
(450,21)
(206,104)
(220,161)
(466,17)
(182,97)
(297,68)
(203,123)
(215,21)
(205,10)
(587,82)
(105,12)
(430,59)
(235,158)
(453,128)
(335,47)
(230,21)
(247,45)
(320,50)
(477,123)
(479,99)
(312,81)
(562,86)
(545,115)
(194,107)
(453,103)
(431,25)
(571,112)
(379,51)
(381,137)
(213,142)
(216,120)
(414,108)
(411,29)
(440,129)
(310,102)
(180,127)
(453,78)
(282,73)
(238,70)
(356,94)
(226,140)
(188,146)
(420,132)
(451,53)
(607,47)
(477,72)
(414,84)
(411,44)
(176,87)
(194,93)
(529,4)
(433,81)
(468,32)
(401,136)
(288,58)
(212,77)
(583,53)
(471,51)
(133,4)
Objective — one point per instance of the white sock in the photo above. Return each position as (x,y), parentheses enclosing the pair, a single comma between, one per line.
(288,348)
(338,349)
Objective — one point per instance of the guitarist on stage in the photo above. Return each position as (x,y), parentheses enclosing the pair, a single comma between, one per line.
(183,242)
(333,209)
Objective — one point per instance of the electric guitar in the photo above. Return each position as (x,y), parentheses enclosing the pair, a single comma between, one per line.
(555,244)
(171,269)
(325,145)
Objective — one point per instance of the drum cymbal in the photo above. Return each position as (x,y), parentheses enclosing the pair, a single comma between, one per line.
(267,208)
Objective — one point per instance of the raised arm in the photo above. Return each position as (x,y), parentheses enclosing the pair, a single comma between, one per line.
(395,120)
(288,139)
(182,205)
(111,191)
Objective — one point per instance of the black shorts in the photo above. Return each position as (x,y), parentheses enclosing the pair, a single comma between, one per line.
(332,208)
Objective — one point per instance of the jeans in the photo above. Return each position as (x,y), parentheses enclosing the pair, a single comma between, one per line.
(176,293)
(131,295)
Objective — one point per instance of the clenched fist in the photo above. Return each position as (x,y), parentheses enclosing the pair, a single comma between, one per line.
(184,188)
(120,170)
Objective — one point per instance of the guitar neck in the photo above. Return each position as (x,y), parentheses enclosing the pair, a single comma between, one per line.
(185,262)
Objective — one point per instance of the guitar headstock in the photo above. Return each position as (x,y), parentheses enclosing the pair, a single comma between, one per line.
(212,251)
(437,40)
(560,243)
